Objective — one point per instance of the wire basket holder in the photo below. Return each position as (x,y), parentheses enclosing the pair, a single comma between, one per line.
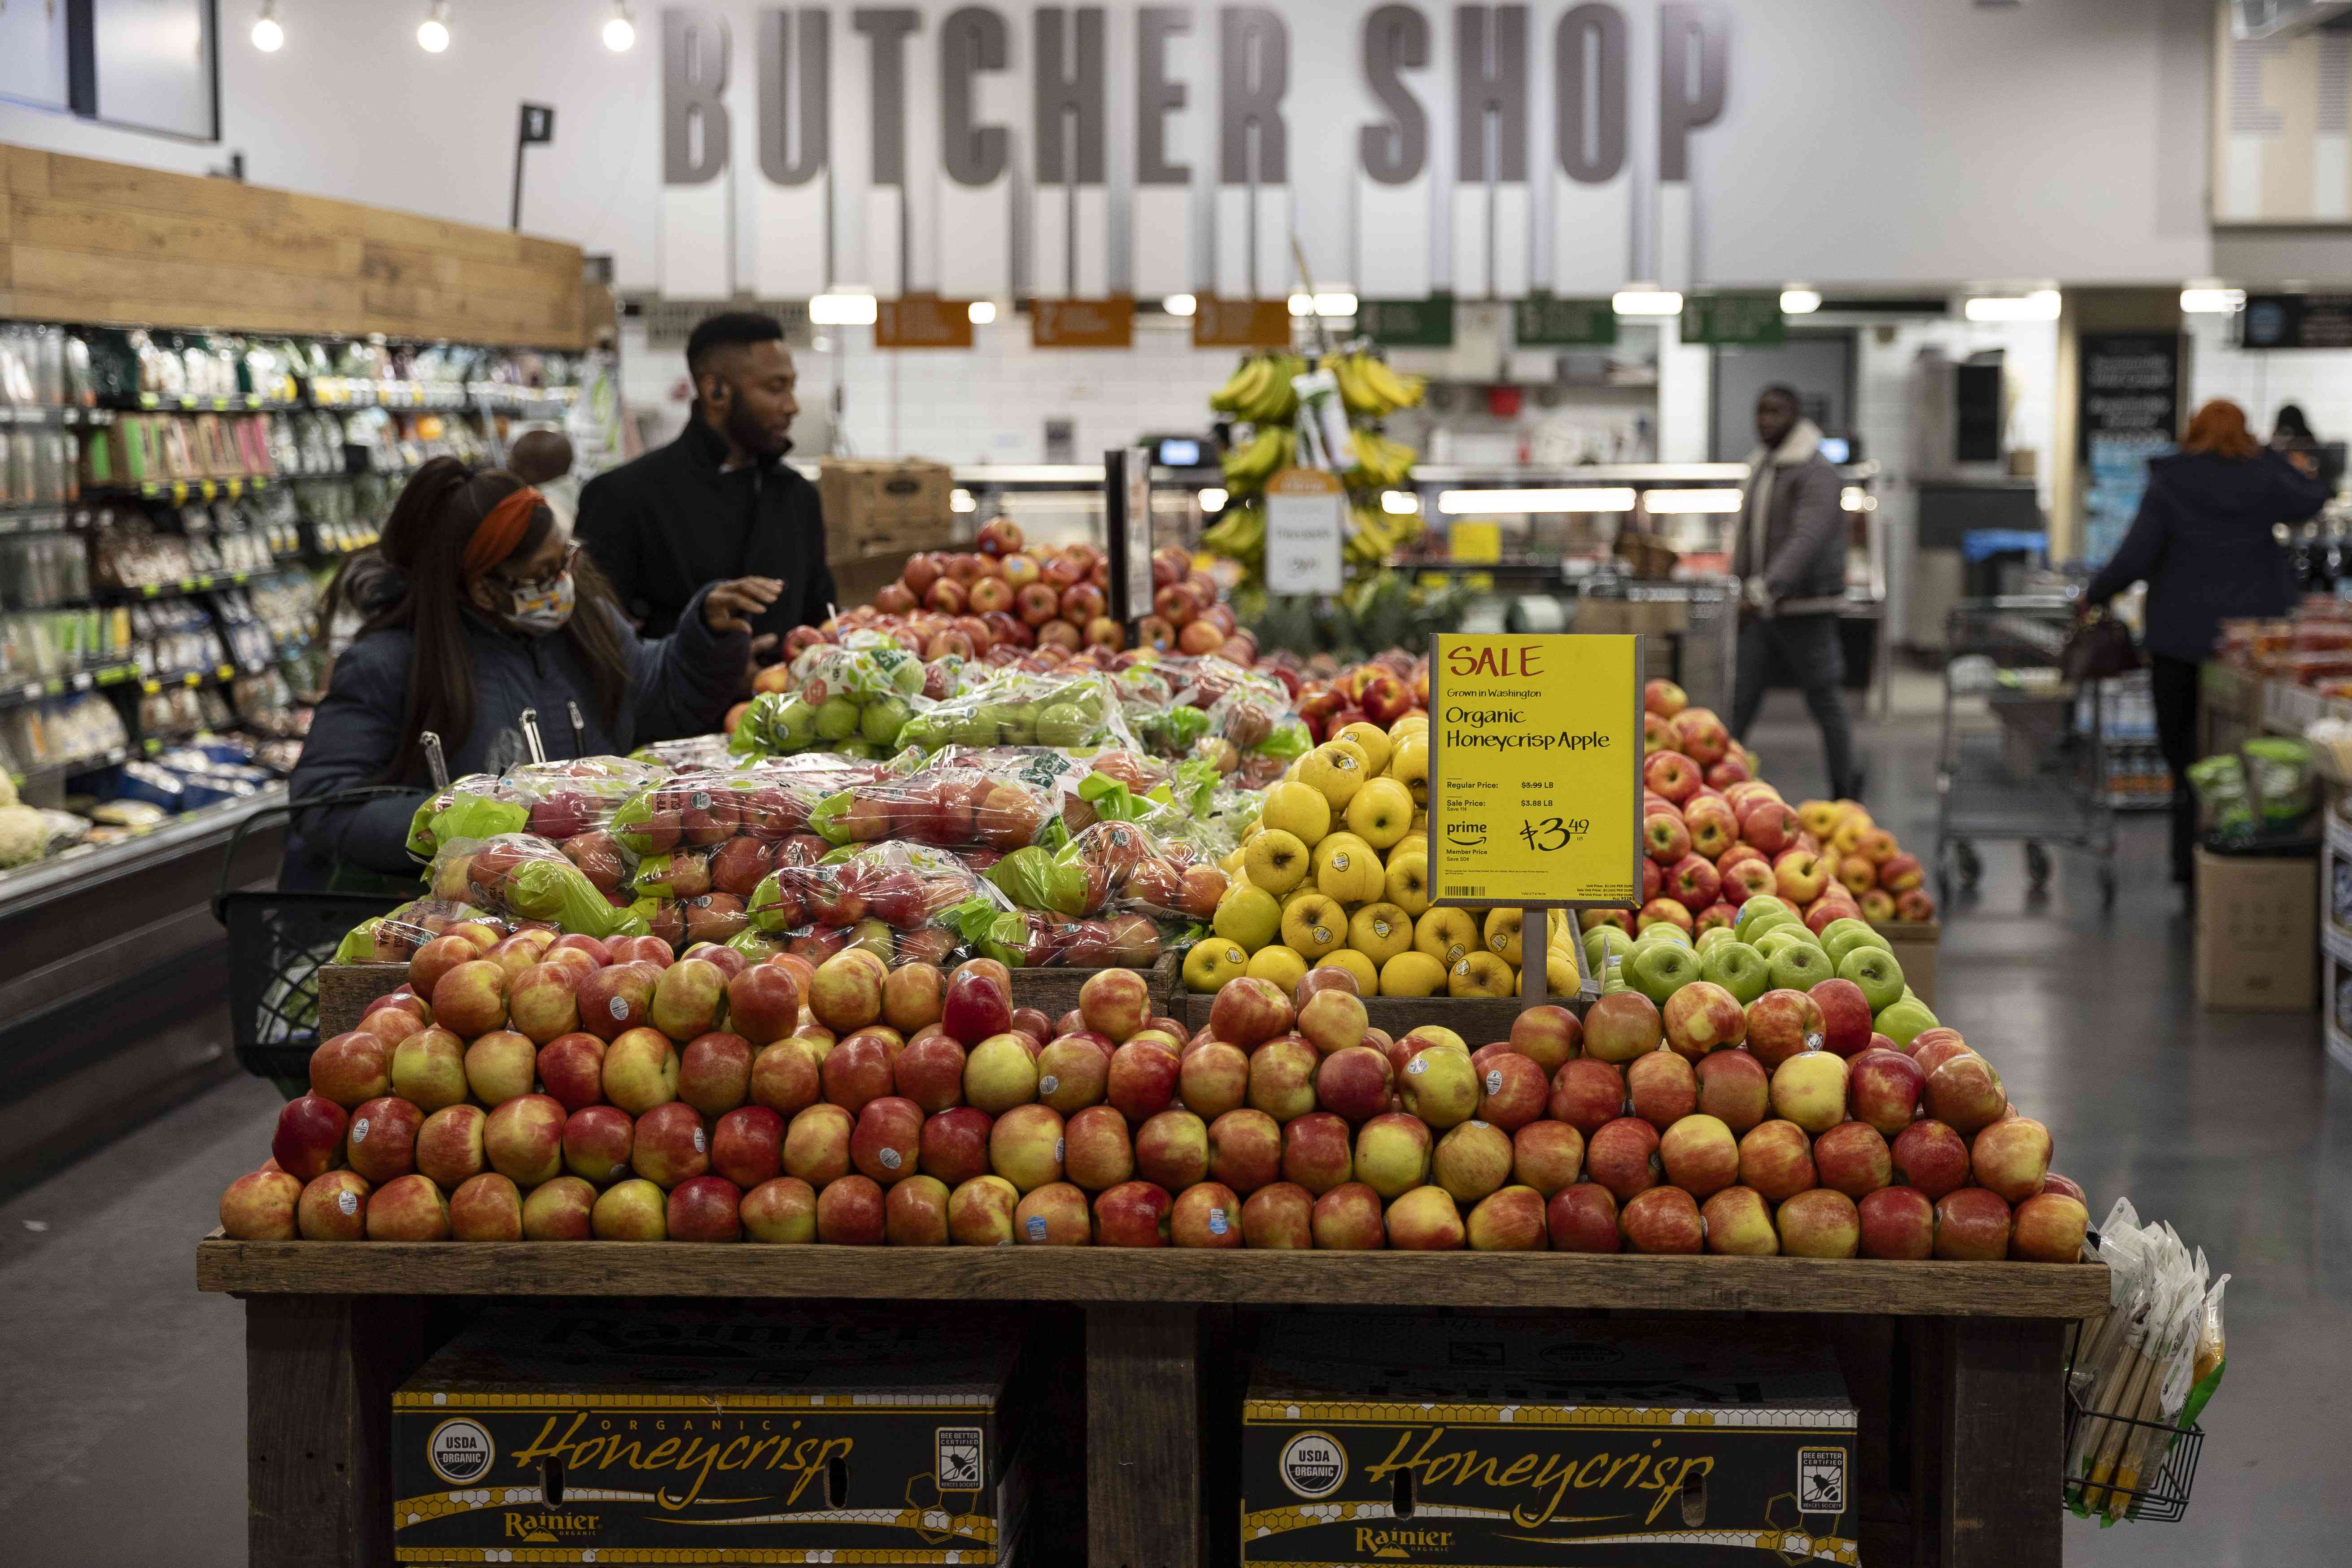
(2157,1492)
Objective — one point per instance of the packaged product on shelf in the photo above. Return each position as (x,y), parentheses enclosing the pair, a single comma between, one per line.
(394,937)
(853,698)
(904,902)
(526,877)
(559,801)
(1078,711)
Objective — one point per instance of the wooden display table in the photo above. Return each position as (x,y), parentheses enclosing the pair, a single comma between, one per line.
(1955,1367)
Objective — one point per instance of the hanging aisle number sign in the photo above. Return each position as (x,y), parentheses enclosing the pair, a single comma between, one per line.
(1535,771)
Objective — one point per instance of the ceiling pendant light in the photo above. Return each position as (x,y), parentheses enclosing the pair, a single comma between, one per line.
(268,35)
(433,33)
(620,33)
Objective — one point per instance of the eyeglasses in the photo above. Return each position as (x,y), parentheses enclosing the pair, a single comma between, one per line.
(547,579)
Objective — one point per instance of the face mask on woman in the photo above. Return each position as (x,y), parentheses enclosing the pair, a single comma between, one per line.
(538,608)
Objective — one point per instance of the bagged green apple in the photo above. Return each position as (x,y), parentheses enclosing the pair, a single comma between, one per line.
(1076,710)
(853,697)
(554,801)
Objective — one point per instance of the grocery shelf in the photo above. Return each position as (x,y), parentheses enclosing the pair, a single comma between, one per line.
(71,871)
(2336,942)
(66,769)
(60,685)
(53,415)
(1558,1281)
(2339,1047)
(161,402)
(210,581)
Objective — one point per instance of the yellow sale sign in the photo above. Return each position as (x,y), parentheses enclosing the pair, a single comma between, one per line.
(1534,770)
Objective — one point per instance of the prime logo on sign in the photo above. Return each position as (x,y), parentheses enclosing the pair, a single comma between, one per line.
(886,143)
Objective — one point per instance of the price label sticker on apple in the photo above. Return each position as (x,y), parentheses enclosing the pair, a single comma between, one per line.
(1535,771)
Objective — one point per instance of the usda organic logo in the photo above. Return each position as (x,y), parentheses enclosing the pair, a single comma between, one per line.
(460,1451)
(1313,1465)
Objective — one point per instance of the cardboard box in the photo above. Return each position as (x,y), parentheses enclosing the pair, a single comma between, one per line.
(1914,946)
(2257,932)
(1538,1443)
(642,1433)
(872,507)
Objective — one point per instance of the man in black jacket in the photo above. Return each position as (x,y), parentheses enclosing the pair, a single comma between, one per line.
(1790,557)
(719,501)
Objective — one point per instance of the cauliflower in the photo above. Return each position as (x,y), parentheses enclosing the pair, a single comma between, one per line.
(23,836)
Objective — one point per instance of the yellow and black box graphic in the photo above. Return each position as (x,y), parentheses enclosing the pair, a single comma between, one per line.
(674,1434)
(1542,1443)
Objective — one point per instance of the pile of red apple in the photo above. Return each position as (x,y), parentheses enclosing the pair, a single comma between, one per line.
(1713,836)
(554,1088)
(1379,691)
(1000,600)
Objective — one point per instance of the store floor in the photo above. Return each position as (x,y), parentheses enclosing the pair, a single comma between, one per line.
(123,1437)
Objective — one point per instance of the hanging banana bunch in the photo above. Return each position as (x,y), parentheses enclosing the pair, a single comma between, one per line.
(1248,468)
(1239,535)
(1380,463)
(1368,387)
(1259,392)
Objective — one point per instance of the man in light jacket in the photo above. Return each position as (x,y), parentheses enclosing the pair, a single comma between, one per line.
(1789,558)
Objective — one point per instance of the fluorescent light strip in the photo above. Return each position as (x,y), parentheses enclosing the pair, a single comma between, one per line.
(1327,305)
(1179,304)
(2212,300)
(1799,301)
(1597,498)
(1647,302)
(843,310)
(2042,305)
(1661,502)
(1399,503)
(980,312)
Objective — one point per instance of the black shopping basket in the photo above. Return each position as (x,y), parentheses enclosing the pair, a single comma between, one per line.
(276,943)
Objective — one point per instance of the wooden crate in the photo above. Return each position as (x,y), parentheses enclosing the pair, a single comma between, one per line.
(1955,1368)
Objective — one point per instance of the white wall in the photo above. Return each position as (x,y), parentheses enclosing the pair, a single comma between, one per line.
(1924,141)
(2259,382)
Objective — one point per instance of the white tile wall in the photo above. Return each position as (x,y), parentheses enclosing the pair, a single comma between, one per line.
(2320,380)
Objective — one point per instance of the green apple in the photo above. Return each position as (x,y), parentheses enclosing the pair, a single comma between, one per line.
(1714,936)
(1661,969)
(1063,724)
(1761,914)
(1738,968)
(1665,931)
(1904,1021)
(881,722)
(1769,943)
(1842,935)
(1877,972)
(837,719)
(1601,946)
(1798,966)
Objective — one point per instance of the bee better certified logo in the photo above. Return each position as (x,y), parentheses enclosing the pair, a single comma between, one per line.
(460,1451)
(1313,1465)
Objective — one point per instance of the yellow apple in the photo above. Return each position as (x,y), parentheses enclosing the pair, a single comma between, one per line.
(1335,770)
(1445,935)
(1314,926)
(1480,974)
(1212,963)
(1411,974)
(1381,814)
(1409,763)
(1348,869)
(1247,914)
(1502,935)
(1407,883)
(1379,931)
(1281,965)
(1299,810)
(1367,972)
(1374,742)
(1275,860)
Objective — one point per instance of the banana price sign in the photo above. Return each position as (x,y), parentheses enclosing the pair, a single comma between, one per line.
(1306,523)
(1535,771)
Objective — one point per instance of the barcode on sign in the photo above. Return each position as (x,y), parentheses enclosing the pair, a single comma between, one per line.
(1471,891)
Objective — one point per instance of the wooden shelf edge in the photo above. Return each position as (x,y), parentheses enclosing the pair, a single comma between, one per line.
(1580,1281)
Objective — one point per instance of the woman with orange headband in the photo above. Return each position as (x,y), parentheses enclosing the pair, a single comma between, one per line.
(477,607)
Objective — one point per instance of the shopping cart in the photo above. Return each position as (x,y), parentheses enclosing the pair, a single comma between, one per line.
(2022,755)
(276,943)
